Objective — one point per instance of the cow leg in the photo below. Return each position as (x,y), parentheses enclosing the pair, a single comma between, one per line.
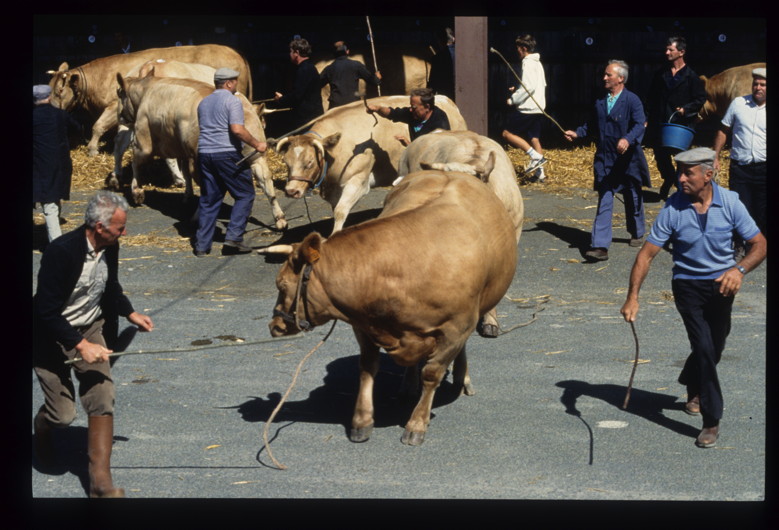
(362,421)
(107,121)
(175,172)
(357,186)
(432,374)
(489,324)
(263,178)
(121,143)
(460,376)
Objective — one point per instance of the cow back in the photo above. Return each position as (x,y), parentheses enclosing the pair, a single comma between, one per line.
(726,86)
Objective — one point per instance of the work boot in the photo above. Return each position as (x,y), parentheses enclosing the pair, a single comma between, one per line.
(43,444)
(100,439)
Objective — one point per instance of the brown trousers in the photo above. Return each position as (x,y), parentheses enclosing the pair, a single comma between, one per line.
(95,386)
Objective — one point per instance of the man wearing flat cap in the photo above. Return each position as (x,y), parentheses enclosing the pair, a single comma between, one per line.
(222,130)
(745,121)
(699,221)
(51,164)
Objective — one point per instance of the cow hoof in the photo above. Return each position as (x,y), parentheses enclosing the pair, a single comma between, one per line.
(111,182)
(468,389)
(361,435)
(281,223)
(412,438)
(489,331)
(138,197)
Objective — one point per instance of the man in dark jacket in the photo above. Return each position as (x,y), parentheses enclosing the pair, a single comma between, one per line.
(675,90)
(343,75)
(78,294)
(422,116)
(305,100)
(619,165)
(51,164)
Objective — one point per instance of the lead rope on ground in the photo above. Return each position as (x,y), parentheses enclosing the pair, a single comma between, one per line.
(632,372)
(544,300)
(286,394)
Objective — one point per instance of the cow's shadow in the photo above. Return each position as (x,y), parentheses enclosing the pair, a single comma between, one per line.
(333,402)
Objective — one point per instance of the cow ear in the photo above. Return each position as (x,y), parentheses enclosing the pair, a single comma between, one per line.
(484,173)
(311,248)
(63,67)
(331,141)
(120,82)
(425,165)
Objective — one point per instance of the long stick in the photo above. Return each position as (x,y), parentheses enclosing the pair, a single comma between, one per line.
(373,49)
(633,372)
(493,50)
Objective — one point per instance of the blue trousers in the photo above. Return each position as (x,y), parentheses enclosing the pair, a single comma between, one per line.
(219,175)
(706,316)
(634,211)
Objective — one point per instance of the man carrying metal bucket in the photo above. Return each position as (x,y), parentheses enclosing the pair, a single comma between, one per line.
(675,96)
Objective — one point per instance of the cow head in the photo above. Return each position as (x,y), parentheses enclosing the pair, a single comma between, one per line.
(304,156)
(293,312)
(65,87)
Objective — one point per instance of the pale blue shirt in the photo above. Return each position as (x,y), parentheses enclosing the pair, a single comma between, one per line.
(702,249)
(215,114)
(748,123)
(610,100)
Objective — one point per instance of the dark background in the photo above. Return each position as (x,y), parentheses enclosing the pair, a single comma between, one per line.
(573,50)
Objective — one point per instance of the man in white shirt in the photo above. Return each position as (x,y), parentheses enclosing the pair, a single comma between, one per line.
(745,122)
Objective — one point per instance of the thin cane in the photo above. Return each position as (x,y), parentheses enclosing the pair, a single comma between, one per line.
(373,50)
(493,50)
(633,372)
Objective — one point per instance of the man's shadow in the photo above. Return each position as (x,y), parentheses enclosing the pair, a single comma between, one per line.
(648,405)
(333,402)
(574,237)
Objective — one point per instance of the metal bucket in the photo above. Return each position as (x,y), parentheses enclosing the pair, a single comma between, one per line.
(676,136)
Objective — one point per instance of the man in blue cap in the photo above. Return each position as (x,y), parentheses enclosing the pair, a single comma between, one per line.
(222,130)
(699,221)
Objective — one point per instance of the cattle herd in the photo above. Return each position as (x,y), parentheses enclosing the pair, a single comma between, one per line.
(452,189)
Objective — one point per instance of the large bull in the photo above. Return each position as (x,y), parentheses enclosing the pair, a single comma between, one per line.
(93,85)
(163,113)
(724,87)
(348,151)
(413,282)
(156,68)
(477,155)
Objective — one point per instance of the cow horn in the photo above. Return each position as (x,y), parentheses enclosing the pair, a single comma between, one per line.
(281,145)
(276,249)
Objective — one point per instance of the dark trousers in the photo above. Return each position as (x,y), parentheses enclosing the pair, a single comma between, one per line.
(220,175)
(666,167)
(706,316)
(749,181)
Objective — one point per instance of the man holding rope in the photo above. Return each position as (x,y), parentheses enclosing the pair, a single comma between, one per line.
(699,222)
(78,293)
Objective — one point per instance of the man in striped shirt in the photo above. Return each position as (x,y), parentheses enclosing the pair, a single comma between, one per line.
(699,221)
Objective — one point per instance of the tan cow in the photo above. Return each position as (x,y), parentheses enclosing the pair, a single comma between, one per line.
(156,68)
(93,86)
(163,112)
(477,155)
(413,282)
(724,87)
(348,151)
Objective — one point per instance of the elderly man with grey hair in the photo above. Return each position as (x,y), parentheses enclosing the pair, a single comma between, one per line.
(78,295)
(617,125)
(699,221)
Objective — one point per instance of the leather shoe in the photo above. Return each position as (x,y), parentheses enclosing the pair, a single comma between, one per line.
(708,437)
(693,406)
(200,253)
(636,241)
(597,254)
(235,247)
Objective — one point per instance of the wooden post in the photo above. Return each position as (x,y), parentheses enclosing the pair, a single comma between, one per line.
(470,73)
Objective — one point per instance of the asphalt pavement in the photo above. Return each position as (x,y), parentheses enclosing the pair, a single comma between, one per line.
(546,423)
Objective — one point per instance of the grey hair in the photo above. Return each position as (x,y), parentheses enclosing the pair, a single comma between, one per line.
(622,69)
(101,208)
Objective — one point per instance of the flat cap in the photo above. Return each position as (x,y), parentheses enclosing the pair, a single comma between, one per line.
(699,155)
(225,74)
(759,72)
(40,92)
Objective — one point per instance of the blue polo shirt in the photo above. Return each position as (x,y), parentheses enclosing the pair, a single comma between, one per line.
(215,113)
(702,244)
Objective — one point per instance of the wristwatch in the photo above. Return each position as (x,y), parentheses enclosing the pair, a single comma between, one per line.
(741,269)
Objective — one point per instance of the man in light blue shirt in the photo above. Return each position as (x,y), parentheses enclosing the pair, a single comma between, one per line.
(699,221)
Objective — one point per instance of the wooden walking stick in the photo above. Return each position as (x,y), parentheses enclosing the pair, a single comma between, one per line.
(633,372)
(373,49)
